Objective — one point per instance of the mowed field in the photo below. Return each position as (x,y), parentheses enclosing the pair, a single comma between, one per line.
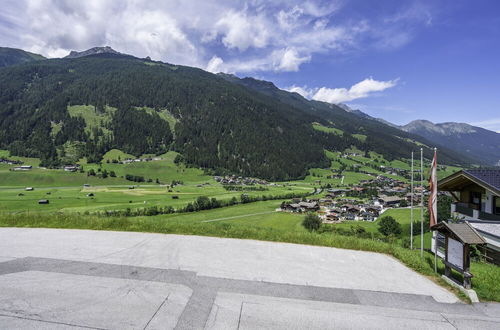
(66,192)
(100,198)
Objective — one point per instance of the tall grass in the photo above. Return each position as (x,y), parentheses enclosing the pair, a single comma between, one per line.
(485,282)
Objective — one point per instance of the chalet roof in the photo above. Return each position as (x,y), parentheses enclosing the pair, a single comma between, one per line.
(308,205)
(488,179)
(491,177)
(462,231)
(388,199)
(487,228)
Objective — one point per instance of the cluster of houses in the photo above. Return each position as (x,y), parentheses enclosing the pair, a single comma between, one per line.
(239,180)
(336,206)
(393,170)
(138,160)
(10,161)
(386,186)
(335,211)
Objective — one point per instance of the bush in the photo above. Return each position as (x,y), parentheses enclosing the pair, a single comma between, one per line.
(311,222)
(389,226)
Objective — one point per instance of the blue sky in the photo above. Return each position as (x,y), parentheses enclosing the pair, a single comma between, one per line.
(398,60)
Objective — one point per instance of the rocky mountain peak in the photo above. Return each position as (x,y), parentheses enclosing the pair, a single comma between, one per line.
(93,51)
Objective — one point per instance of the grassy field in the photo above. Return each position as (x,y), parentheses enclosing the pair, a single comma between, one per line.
(92,118)
(66,193)
(120,197)
(326,129)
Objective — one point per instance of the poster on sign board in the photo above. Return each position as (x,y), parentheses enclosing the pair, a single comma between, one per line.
(455,253)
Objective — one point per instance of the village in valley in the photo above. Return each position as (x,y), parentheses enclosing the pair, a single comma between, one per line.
(365,201)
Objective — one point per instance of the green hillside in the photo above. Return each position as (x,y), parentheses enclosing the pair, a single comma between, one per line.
(12,56)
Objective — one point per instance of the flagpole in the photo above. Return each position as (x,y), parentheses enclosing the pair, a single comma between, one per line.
(422,202)
(411,205)
(435,218)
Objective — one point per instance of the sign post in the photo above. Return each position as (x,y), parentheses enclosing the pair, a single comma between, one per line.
(458,239)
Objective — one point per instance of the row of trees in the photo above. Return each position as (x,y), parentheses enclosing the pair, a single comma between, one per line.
(201,203)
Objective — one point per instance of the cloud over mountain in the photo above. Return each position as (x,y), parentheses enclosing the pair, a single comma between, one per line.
(362,89)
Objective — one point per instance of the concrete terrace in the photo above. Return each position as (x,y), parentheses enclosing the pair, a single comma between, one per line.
(53,278)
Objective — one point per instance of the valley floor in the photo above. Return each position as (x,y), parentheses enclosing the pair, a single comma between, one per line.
(95,279)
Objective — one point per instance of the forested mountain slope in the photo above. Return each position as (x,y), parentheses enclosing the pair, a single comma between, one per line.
(385,139)
(63,109)
(219,125)
(12,56)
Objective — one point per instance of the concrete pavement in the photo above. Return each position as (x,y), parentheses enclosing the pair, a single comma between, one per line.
(120,280)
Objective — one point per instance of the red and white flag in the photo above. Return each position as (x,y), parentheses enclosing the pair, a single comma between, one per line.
(432,205)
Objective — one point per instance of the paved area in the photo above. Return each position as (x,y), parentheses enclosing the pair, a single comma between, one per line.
(117,280)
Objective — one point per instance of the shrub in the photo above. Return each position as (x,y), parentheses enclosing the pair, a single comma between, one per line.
(389,226)
(311,222)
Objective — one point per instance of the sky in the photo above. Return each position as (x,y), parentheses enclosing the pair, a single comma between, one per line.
(399,60)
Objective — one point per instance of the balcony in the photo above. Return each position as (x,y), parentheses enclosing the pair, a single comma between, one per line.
(470,212)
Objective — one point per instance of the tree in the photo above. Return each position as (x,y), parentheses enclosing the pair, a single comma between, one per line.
(311,222)
(202,203)
(91,172)
(389,226)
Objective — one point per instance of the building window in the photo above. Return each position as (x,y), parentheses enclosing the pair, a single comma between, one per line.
(496,205)
(475,198)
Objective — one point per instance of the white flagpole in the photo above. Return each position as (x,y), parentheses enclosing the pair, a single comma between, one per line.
(435,215)
(422,202)
(411,205)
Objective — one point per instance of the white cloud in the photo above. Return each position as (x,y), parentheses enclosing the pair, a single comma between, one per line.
(289,59)
(215,64)
(360,90)
(364,88)
(304,91)
(241,31)
(289,20)
(247,36)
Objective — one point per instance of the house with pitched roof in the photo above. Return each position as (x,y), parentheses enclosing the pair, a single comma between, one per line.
(476,195)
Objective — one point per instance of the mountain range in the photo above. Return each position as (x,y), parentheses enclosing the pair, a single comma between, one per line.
(475,142)
(90,102)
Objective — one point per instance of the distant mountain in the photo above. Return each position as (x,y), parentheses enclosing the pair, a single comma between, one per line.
(474,141)
(93,51)
(13,56)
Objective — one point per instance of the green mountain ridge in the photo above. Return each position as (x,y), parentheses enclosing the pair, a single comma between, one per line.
(221,123)
(13,56)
